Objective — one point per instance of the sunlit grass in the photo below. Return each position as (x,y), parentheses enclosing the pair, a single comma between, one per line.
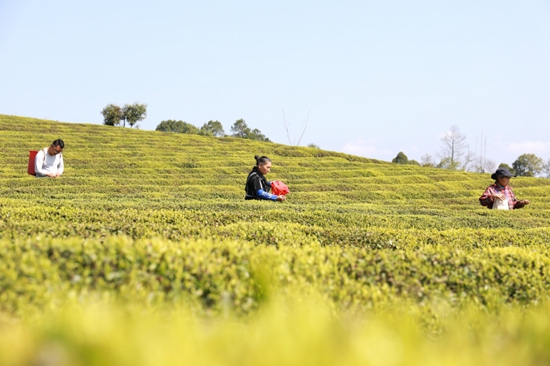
(145,253)
(291,329)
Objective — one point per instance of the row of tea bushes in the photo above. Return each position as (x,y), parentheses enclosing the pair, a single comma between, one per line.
(42,271)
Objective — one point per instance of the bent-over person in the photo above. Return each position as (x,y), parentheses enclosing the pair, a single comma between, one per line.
(49,161)
(257,187)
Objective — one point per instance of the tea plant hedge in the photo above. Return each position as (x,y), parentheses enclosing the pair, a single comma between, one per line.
(146,214)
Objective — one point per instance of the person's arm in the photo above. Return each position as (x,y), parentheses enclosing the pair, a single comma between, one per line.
(39,164)
(517,204)
(260,193)
(61,166)
(486,198)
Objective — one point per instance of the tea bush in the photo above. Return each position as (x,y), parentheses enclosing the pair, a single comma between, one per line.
(155,219)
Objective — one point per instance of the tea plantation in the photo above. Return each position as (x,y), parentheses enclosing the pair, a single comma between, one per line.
(147,234)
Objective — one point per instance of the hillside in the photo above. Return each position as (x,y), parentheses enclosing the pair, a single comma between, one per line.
(147,226)
(112,172)
(145,184)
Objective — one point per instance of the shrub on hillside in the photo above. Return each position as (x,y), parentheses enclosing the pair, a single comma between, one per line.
(177,126)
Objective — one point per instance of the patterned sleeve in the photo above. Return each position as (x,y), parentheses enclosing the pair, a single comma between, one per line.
(486,199)
(517,204)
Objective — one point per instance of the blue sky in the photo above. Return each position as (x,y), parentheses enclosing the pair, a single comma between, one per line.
(376,77)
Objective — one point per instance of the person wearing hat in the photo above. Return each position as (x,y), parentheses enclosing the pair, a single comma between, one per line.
(500,195)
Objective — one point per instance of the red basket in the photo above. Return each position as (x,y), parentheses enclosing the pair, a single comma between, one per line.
(279,188)
(32,158)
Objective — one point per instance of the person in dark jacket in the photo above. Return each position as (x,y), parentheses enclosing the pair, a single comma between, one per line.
(257,187)
(500,195)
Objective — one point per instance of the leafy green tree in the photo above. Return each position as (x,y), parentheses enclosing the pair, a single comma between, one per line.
(112,114)
(510,169)
(177,126)
(312,145)
(401,158)
(256,134)
(528,165)
(240,129)
(213,128)
(133,113)
(413,162)
(169,126)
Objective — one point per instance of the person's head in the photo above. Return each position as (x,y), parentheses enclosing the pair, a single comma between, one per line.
(263,163)
(57,147)
(502,177)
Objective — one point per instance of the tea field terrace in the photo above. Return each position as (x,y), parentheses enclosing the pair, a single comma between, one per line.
(112,173)
(352,227)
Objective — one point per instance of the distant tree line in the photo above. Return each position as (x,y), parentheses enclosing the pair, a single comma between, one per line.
(213,128)
(455,155)
(113,115)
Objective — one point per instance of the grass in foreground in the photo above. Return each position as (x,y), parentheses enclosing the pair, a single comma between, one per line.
(290,330)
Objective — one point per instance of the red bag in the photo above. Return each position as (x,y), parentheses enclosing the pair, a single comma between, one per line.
(32,159)
(279,188)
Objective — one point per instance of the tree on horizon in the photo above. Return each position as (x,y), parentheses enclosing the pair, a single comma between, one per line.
(241,130)
(112,115)
(213,128)
(177,127)
(133,113)
(528,165)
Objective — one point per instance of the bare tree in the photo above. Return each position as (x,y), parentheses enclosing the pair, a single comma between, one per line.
(453,146)
(546,168)
(482,165)
(489,165)
(287,125)
(427,160)
(469,158)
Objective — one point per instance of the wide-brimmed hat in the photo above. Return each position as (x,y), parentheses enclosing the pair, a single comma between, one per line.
(501,172)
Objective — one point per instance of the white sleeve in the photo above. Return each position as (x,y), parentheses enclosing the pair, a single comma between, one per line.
(39,164)
(61,166)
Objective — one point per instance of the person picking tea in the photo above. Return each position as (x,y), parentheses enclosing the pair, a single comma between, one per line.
(499,196)
(49,161)
(257,187)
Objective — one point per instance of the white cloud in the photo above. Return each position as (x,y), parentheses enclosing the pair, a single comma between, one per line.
(365,148)
(529,147)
